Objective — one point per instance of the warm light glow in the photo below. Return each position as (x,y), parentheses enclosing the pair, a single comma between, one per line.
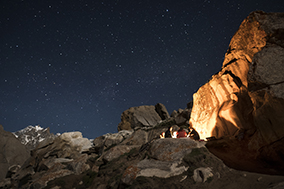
(214,105)
(162,135)
(174,134)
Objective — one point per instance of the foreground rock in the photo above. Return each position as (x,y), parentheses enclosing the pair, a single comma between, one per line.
(245,100)
(165,158)
(106,141)
(193,166)
(53,158)
(132,163)
(12,153)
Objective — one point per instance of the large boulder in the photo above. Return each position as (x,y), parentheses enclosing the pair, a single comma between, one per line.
(76,140)
(245,99)
(117,151)
(161,169)
(165,157)
(139,137)
(137,117)
(109,140)
(12,152)
(172,149)
(182,117)
(162,111)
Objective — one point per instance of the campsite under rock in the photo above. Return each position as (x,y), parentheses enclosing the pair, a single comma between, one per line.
(239,111)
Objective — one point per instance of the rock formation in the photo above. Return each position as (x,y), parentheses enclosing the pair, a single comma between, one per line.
(141,160)
(182,117)
(106,141)
(51,159)
(12,152)
(75,140)
(162,111)
(245,100)
(142,116)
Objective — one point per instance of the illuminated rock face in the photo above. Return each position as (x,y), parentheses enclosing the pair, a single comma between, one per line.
(246,98)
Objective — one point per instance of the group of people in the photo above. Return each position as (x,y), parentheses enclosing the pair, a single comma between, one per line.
(180,133)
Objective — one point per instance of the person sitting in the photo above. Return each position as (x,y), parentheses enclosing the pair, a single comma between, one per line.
(193,134)
(181,133)
(168,133)
(174,134)
(162,135)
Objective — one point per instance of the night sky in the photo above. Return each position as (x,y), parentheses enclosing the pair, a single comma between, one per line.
(76,65)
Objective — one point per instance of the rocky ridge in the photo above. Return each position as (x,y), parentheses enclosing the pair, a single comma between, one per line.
(139,160)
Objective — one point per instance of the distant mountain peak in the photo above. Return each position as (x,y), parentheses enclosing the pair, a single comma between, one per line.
(32,135)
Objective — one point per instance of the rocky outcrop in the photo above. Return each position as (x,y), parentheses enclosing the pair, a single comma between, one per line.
(182,117)
(76,141)
(53,158)
(140,161)
(245,99)
(165,159)
(12,152)
(194,166)
(108,140)
(117,151)
(139,137)
(162,111)
(171,149)
(136,117)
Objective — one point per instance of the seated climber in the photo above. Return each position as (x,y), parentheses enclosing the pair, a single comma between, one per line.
(181,133)
(193,133)
(168,133)
(162,135)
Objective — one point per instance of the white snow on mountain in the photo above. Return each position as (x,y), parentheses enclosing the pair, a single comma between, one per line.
(32,135)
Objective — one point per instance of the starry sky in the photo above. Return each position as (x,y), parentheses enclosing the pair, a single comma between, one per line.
(76,65)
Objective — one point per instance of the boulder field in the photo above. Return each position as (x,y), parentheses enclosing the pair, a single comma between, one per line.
(137,161)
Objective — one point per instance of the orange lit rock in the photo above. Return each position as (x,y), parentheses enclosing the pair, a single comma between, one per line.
(245,100)
(224,105)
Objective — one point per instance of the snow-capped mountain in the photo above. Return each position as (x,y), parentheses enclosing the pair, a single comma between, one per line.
(31,136)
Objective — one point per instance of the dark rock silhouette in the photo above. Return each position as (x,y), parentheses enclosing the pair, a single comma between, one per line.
(162,111)
(12,152)
(136,117)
